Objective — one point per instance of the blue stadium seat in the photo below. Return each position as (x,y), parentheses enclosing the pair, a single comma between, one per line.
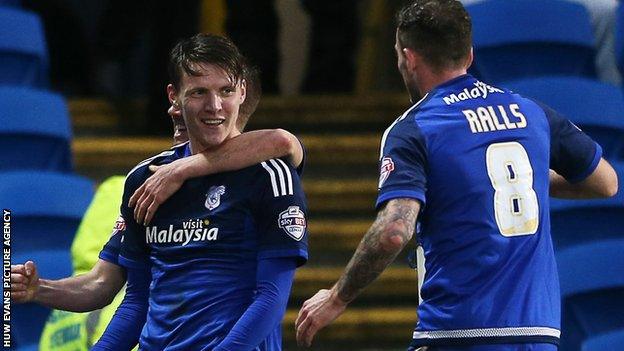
(596,107)
(523,38)
(46,211)
(23,49)
(608,341)
(14,3)
(619,38)
(592,286)
(577,221)
(35,130)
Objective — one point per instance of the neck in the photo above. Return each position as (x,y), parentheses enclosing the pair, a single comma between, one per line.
(430,79)
(197,147)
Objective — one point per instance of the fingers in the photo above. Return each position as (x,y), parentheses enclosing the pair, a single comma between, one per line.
(153,168)
(306,332)
(150,212)
(141,205)
(18,268)
(136,196)
(18,279)
(30,267)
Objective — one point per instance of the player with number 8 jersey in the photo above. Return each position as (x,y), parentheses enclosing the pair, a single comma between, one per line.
(480,167)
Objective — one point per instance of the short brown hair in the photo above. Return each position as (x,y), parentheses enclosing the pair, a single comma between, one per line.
(439,30)
(252,98)
(206,48)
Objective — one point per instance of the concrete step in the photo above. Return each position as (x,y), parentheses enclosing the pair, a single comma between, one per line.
(396,286)
(331,155)
(359,329)
(299,113)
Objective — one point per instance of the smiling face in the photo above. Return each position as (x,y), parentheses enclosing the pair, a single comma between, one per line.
(209,103)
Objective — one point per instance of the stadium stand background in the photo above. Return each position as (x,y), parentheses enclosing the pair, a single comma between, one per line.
(108,97)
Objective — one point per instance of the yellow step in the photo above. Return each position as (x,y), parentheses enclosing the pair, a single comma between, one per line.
(394,283)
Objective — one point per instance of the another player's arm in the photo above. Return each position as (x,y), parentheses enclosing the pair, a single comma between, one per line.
(388,235)
(578,170)
(239,152)
(86,292)
(602,182)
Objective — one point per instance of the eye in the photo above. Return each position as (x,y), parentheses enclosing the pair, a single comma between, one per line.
(196,93)
(227,91)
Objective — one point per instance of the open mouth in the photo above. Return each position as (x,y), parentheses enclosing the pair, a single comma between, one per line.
(212,122)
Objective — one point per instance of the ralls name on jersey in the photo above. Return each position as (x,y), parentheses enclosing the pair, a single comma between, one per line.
(495,118)
(481,90)
(192,230)
(293,222)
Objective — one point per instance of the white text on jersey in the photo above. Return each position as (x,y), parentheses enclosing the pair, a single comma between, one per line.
(495,118)
(192,230)
(481,90)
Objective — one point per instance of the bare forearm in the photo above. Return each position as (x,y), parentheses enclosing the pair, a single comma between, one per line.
(74,294)
(391,231)
(82,293)
(243,151)
(601,183)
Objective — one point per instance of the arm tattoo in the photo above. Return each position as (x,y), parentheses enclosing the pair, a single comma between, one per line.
(395,223)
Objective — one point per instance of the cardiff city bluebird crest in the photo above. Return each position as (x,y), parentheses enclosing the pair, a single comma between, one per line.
(293,222)
(213,197)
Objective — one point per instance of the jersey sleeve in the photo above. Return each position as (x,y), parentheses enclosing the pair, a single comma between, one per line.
(403,163)
(133,252)
(110,251)
(281,212)
(573,154)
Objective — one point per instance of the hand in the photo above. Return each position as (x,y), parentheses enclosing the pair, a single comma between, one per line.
(24,282)
(316,313)
(156,190)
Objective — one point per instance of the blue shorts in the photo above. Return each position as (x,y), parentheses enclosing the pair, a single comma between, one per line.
(493,347)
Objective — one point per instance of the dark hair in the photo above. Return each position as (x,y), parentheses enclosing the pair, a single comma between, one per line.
(254,92)
(439,30)
(205,48)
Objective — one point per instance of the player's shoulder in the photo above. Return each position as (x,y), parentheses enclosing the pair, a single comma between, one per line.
(140,172)
(276,174)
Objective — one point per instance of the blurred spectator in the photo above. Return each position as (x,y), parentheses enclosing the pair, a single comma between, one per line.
(603,15)
(335,38)
(151,28)
(253,25)
(69,52)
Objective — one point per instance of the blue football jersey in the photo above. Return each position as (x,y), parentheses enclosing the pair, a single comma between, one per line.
(477,158)
(110,251)
(203,246)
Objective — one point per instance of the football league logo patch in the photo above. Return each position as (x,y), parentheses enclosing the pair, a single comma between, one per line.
(387,166)
(120,225)
(293,222)
(213,197)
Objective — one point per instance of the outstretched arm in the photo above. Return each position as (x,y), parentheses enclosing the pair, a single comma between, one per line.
(82,293)
(602,182)
(275,276)
(239,152)
(388,235)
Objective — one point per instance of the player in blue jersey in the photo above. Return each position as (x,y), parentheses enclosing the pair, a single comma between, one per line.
(97,288)
(472,162)
(223,249)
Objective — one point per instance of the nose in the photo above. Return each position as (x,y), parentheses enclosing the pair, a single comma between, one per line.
(213,103)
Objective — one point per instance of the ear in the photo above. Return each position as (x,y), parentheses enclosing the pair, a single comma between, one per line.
(412,59)
(470,58)
(172,95)
(243,87)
